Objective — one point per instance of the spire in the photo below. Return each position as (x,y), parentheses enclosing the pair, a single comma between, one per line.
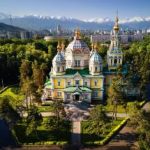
(92,46)
(95,47)
(77,34)
(58,46)
(116,26)
(62,46)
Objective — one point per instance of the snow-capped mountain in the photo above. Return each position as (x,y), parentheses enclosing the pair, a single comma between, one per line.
(38,22)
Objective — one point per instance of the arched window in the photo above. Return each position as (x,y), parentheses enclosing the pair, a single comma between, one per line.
(95,82)
(95,69)
(115,60)
(58,69)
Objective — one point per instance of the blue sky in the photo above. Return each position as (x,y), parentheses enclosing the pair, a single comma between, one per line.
(81,9)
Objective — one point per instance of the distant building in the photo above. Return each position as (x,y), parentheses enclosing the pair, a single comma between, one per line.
(124,38)
(59,30)
(25,35)
(49,38)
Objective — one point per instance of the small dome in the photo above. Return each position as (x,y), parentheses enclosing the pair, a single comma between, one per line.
(59,58)
(96,58)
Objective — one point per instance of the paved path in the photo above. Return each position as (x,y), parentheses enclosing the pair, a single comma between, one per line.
(146,107)
(76,130)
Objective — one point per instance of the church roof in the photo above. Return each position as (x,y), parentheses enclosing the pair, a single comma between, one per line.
(77,44)
(59,58)
(81,72)
(73,89)
(96,58)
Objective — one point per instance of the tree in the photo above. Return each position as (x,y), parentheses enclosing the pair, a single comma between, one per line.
(140,121)
(8,113)
(34,119)
(98,120)
(115,94)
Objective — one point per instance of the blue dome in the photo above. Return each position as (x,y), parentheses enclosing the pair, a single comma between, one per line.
(59,58)
(96,58)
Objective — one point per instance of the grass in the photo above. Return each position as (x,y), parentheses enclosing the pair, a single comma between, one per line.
(16,98)
(44,134)
(45,108)
(89,139)
(15,95)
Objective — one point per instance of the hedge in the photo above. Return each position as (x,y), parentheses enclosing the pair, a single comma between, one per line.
(46,143)
(111,134)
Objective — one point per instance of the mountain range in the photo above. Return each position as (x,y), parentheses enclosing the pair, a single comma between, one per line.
(10,28)
(36,22)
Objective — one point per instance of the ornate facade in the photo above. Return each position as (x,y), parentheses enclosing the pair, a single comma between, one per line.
(77,72)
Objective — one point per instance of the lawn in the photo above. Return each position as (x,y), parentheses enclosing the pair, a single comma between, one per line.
(45,134)
(17,98)
(14,94)
(45,108)
(89,139)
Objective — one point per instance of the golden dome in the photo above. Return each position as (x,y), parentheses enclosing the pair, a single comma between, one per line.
(92,46)
(116,26)
(58,46)
(95,46)
(78,34)
(62,45)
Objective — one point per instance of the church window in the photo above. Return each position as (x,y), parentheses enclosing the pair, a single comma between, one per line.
(63,68)
(77,63)
(58,83)
(95,94)
(95,82)
(85,83)
(86,96)
(95,69)
(68,96)
(68,83)
(77,82)
(59,94)
(58,69)
(115,61)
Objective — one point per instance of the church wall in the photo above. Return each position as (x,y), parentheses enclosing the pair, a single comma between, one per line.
(99,83)
(62,83)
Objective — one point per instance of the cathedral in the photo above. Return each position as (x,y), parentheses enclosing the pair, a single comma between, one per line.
(77,73)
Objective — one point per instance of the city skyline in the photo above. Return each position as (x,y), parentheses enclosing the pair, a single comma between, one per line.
(79,9)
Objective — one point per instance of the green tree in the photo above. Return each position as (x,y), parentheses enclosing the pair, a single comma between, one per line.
(98,120)
(115,94)
(34,119)
(140,121)
(8,113)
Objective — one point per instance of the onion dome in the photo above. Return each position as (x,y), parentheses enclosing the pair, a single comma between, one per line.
(59,58)
(116,26)
(63,49)
(92,51)
(95,58)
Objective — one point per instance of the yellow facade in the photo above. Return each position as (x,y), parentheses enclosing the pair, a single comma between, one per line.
(99,83)
(59,83)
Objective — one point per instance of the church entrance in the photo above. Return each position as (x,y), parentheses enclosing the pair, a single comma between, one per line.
(77,97)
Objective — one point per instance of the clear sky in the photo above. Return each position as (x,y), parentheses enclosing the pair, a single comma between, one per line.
(81,9)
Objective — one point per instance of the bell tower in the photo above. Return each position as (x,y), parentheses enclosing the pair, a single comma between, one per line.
(114,54)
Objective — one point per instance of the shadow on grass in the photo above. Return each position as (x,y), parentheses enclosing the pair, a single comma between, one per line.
(42,135)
